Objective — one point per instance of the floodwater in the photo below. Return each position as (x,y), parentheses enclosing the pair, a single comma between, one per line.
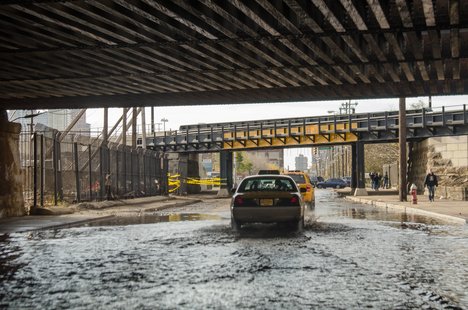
(348,257)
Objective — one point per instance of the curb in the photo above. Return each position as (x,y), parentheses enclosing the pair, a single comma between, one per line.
(70,224)
(174,205)
(401,208)
(117,203)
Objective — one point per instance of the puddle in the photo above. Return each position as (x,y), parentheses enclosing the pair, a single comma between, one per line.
(150,219)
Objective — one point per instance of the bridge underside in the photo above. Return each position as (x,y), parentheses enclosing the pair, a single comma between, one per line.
(76,53)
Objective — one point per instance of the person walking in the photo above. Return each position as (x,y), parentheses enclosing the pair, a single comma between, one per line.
(385,181)
(372,180)
(108,185)
(431,182)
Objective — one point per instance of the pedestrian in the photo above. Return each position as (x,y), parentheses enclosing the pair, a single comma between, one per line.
(372,179)
(431,182)
(108,185)
(377,179)
(385,181)
(157,187)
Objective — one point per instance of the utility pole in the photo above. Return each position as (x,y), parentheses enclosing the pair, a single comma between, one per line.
(124,126)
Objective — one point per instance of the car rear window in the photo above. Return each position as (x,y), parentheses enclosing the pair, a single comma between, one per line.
(298,178)
(267,184)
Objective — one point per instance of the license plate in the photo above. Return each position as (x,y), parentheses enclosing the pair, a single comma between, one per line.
(266,202)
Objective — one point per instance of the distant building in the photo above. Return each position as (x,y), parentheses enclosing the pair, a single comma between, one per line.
(56,119)
(301,162)
(266,159)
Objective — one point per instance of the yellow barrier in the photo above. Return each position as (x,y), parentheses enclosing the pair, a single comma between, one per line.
(174,182)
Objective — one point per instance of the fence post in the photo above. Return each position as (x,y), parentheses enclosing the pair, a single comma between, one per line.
(124,174)
(55,164)
(101,176)
(132,177)
(42,170)
(35,172)
(117,171)
(77,172)
(59,165)
(138,155)
(90,173)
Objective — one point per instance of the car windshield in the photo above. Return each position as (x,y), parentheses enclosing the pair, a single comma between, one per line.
(267,184)
(298,178)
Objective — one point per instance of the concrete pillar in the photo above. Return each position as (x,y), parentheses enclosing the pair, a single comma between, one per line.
(11,186)
(226,173)
(164,172)
(360,172)
(402,143)
(183,171)
(188,169)
(354,174)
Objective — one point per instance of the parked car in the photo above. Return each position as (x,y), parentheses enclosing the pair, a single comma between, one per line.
(347,180)
(267,199)
(315,180)
(303,182)
(333,183)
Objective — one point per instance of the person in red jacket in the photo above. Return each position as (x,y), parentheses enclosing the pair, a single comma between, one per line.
(431,182)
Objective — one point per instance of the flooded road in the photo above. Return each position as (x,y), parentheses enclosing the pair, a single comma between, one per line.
(348,257)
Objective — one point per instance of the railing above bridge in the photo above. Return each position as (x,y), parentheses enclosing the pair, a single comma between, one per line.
(314,130)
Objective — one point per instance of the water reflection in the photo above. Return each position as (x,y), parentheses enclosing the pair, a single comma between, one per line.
(376,214)
(145,218)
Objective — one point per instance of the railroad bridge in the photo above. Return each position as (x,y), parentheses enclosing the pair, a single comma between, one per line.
(128,53)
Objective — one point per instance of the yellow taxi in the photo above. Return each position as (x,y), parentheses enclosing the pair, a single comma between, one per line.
(303,182)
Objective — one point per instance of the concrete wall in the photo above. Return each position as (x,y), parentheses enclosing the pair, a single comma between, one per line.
(448,158)
(11,187)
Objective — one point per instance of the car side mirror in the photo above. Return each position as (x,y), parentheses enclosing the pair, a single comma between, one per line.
(303,190)
(233,190)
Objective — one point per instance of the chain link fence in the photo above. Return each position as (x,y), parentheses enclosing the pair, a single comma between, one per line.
(76,168)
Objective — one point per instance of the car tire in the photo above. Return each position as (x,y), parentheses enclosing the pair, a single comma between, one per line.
(338,187)
(235,225)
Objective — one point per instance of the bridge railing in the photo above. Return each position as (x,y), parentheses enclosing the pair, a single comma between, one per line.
(359,123)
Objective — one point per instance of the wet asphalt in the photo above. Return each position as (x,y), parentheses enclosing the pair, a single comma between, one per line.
(349,256)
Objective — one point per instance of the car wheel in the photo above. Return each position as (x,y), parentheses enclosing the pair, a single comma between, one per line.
(235,225)
(297,225)
(338,187)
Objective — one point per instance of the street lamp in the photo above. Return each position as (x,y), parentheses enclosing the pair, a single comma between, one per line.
(164,121)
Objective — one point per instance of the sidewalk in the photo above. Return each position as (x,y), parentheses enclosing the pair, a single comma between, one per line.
(57,217)
(455,212)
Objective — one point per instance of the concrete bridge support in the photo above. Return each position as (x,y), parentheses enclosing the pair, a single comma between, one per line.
(226,160)
(188,168)
(164,182)
(358,153)
(11,187)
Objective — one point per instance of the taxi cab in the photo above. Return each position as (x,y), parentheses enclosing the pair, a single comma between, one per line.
(303,182)
(270,198)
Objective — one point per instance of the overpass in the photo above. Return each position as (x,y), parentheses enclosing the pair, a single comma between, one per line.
(127,53)
(312,131)
(77,53)
(353,129)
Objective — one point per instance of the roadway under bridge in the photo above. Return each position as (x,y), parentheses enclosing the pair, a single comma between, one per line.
(133,53)
(355,130)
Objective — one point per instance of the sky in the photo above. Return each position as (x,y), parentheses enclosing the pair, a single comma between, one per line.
(185,115)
